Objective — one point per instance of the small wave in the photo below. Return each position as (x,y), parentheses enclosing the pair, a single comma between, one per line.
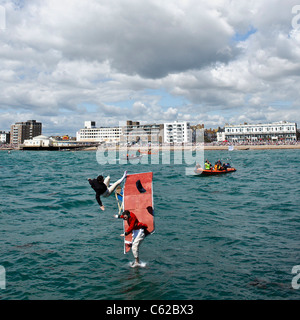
(132,264)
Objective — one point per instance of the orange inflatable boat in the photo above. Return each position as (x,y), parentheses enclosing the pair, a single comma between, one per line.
(212,172)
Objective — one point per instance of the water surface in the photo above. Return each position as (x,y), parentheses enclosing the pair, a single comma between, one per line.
(234,236)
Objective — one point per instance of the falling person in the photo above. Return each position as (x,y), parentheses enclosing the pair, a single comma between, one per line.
(102,187)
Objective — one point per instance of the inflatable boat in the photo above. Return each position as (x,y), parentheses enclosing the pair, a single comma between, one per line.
(212,172)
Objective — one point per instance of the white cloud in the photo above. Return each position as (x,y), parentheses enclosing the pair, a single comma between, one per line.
(71,61)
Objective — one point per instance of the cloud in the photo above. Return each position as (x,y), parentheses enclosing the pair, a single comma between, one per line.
(148,38)
(71,61)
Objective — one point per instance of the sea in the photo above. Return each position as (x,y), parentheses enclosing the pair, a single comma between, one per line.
(228,237)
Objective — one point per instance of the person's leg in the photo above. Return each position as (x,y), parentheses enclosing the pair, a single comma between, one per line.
(112,188)
(136,245)
(107,181)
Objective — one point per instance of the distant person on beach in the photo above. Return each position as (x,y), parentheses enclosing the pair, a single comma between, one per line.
(102,187)
(139,232)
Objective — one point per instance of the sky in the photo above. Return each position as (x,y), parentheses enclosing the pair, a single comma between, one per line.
(63,62)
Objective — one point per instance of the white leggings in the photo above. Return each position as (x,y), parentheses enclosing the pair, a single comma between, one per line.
(138,237)
(111,189)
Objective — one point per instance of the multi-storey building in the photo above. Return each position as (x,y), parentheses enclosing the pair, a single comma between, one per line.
(134,132)
(282,130)
(4,137)
(129,132)
(177,132)
(90,133)
(21,131)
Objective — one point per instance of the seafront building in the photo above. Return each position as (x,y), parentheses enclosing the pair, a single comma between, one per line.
(135,132)
(272,132)
(177,132)
(21,131)
(4,137)
(38,141)
(90,133)
(42,142)
(130,132)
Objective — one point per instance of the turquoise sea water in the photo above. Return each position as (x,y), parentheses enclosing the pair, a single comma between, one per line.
(234,236)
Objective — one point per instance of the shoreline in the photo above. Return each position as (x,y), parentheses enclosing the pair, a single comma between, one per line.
(178,148)
(205,148)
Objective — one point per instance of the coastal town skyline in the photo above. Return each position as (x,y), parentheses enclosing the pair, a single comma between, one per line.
(216,63)
(142,123)
(29,133)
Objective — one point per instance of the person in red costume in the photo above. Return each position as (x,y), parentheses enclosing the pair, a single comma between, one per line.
(138,230)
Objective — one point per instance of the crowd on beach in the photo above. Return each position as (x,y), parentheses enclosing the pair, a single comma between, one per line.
(7,146)
(254,143)
(210,144)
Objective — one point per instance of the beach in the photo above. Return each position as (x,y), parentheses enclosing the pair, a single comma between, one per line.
(144,148)
(194,148)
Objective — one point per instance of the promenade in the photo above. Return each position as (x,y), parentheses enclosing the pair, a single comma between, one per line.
(201,147)
(212,146)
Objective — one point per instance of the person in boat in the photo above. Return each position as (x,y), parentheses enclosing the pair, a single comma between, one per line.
(102,187)
(198,168)
(207,165)
(139,232)
(218,166)
(226,165)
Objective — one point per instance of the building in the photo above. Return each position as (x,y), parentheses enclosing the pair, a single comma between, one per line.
(21,131)
(38,141)
(277,131)
(221,135)
(129,133)
(197,133)
(177,132)
(49,143)
(90,133)
(210,135)
(134,132)
(4,137)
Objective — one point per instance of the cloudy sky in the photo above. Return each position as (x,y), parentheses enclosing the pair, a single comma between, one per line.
(63,62)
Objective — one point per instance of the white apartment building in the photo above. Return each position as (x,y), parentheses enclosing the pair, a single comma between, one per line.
(282,130)
(4,137)
(177,132)
(92,134)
